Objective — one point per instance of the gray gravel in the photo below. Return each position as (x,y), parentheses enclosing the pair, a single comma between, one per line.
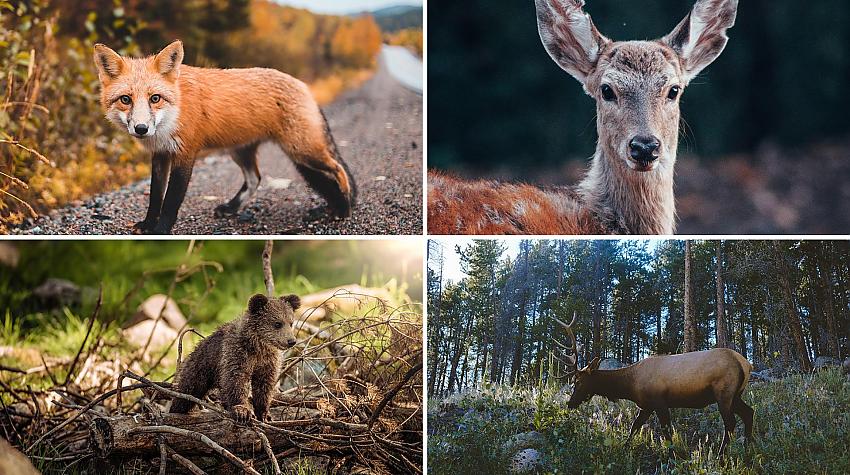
(378,129)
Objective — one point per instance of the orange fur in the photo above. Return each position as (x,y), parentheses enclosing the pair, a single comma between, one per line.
(491,208)
(190,111)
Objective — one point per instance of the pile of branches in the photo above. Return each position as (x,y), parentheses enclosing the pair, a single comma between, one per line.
(350,402)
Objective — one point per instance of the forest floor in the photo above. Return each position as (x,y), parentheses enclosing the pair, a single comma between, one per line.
(802,425)
(378,130)
(33,404)
(772,191)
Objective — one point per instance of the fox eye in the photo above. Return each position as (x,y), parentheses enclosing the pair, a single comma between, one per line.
(126,100)
(608,93)
(674,93)
(278,325)
(155,98)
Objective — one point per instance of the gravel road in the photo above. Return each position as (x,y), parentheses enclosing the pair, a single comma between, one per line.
(378,129)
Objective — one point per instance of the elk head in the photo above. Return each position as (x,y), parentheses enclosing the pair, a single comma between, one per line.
(637,85)
(583,390)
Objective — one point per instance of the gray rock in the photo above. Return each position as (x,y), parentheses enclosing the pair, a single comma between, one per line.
(150,308)
(526,461)
(60,291)
(826,361)
(525,440)
(764,375)
(846,366)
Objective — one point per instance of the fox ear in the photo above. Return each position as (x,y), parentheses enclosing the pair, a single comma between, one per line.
(109,63)
(294,301)
(257,303)
(168,61)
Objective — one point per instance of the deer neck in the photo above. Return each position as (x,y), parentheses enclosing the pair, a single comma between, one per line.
(630,202)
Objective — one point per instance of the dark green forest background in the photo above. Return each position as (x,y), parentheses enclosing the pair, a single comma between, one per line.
(497,99)
(781,304)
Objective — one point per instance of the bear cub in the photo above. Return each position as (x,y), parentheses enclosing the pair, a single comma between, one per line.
(242,356)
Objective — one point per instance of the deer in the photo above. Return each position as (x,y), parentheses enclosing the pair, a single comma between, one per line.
(637,86)
(659,383)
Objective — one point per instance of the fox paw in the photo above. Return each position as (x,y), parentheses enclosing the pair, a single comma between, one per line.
(223,211)
(144,227)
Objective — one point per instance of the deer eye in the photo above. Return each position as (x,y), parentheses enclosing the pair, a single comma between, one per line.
(126,100)
(278,325)
(155,98)
(674,93)
(608,93)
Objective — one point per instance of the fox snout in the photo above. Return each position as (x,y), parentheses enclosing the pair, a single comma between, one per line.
(141,129)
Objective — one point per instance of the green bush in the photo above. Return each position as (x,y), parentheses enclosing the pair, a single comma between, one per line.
(55,146)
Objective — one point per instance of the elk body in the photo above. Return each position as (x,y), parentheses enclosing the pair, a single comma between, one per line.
(637,86)
(659,383)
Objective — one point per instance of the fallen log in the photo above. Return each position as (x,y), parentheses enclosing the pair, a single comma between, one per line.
(125,435)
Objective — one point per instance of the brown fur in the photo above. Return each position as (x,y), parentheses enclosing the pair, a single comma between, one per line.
(241,356)
(619,194)
(690,380)
(222,109)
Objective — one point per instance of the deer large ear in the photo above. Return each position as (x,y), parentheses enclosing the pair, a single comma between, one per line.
(109,64)
(569,36)
(701,36)
(168,61)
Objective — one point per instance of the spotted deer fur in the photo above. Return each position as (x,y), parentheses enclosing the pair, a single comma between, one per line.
(637,85)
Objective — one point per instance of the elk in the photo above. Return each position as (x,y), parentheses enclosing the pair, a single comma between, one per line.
(656,384)
(637,86)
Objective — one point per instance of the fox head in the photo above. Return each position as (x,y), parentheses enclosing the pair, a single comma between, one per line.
(141,94)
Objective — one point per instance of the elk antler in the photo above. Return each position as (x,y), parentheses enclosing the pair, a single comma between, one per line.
(572,356)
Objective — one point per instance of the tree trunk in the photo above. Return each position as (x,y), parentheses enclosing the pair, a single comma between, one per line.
(825,266)
(722,332)
(690,336)
(114,435)
(791,313)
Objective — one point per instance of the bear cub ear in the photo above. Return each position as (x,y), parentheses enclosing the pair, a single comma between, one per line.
(294,301)
(257,303)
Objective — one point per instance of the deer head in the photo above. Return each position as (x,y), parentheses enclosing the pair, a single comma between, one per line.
(636,84)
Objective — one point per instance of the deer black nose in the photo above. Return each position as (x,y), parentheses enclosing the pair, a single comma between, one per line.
(644,149)
(291,342)
(141,129)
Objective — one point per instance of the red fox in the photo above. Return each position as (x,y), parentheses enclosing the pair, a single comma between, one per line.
(179,112)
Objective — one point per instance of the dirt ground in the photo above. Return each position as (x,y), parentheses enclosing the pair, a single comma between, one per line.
(378,129)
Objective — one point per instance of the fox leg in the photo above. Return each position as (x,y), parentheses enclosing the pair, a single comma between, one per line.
(246,158)
(160,169)
(178,183)
(325,171)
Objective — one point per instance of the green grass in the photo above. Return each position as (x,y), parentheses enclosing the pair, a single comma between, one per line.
(209,297)
(802,425)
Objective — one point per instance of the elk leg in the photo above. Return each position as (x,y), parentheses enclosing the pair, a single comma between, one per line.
(664,418)
(746,413)
(729,422)
(640,420)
